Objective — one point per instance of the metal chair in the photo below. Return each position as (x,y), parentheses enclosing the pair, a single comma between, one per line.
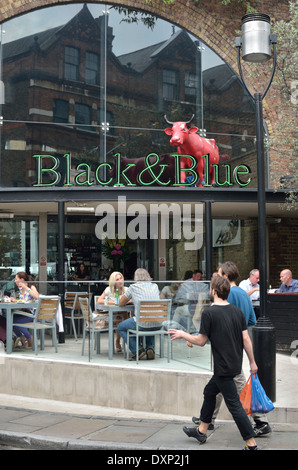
(151,311)
(72,309)
(43,318)
(90,325)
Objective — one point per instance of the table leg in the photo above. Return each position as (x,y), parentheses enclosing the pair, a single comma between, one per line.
(8,330)
(111,335)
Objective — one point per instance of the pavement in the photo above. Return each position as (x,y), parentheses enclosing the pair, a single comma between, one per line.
(116,431)
(38,424)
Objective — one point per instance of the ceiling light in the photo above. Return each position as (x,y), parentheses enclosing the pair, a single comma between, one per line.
(81,209)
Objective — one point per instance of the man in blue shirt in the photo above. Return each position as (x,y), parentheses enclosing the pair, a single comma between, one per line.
(237,296)
(288,284)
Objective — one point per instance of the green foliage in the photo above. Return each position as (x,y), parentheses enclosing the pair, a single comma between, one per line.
(287,83)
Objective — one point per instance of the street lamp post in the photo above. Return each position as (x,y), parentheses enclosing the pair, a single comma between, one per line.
(256,44)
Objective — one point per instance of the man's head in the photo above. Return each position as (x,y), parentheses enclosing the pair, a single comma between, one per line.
(229,270)
(219,287)
(254,276)
(286,277)
(197,275)
(142,275)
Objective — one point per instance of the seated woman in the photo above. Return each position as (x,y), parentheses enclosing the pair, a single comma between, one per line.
(81,274)
(116,281)
(28,292)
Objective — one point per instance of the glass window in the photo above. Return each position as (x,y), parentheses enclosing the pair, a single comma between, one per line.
(170,84)
(92,68)
(72,63)
(82,115)
(191,84)
(143,74)
(19,249)
(60,111)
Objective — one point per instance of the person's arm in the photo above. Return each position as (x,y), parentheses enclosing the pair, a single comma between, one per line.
(198,340)
(101,299)
(33,292)
(123,300)
(251,291)
(249,352)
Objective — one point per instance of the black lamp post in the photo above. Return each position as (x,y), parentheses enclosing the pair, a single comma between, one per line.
(256,44)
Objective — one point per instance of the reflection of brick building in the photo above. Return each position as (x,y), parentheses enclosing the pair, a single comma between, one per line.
(57,77)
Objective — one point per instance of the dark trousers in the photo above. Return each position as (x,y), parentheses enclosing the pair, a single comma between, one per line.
(227,387)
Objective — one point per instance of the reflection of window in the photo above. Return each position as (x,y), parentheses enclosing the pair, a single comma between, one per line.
(71,63)
(60,111)
(92,68)
(190,83)
(170,84)
(83,114)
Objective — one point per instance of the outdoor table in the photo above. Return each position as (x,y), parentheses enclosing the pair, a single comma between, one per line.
(9,306)
(112,309)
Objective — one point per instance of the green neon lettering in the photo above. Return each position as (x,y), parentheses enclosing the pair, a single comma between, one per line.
(228,179)
(103,183)
(86,173)
(120,173)
(207,176)
(68,170)
(149,166)
(191,169)
(237,172)
(41,171)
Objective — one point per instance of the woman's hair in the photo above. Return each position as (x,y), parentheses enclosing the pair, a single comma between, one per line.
(142,275)
(230,269)
(221,286)
(79,268)
(112,282)
(27,278)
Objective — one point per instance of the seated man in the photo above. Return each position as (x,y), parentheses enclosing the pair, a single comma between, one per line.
(288,284)
(187,298)
(142,289)
(251,285)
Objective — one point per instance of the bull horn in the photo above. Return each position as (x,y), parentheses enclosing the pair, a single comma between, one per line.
(187,122)
(168,122)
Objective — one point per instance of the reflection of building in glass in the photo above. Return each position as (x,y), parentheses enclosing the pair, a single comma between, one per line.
(64,85)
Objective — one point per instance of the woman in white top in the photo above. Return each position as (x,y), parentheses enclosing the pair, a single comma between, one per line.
(116,281)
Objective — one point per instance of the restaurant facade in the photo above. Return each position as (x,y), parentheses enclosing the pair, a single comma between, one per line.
(90,94)
(83,104)
(85,158)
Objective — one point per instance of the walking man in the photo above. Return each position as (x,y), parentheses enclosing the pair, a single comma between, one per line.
(225,326)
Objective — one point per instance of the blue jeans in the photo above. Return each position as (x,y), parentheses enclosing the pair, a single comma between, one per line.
(130,324)
(227,387)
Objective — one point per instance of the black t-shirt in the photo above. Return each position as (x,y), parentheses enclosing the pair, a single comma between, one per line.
(223,324)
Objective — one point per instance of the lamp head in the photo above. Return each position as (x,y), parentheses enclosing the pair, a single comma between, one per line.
(256,43)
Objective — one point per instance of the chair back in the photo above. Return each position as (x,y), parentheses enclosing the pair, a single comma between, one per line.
(85,308)
(71,299)
(47,308)
(153,310)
